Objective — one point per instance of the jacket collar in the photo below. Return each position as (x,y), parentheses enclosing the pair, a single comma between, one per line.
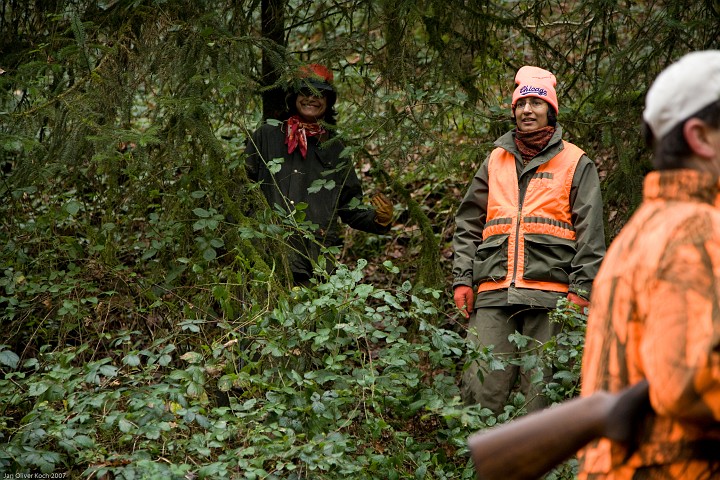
(682,185)
(554,146)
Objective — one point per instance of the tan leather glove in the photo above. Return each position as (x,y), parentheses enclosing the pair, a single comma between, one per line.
(464,297)
(383,209)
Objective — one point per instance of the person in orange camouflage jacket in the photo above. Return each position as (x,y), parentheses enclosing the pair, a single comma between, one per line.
(656,299)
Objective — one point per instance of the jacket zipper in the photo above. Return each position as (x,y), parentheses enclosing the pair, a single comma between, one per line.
(521,201)
(517,246)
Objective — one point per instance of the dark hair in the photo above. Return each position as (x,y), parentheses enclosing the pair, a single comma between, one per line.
(552,116)
(330,113)
(672,150)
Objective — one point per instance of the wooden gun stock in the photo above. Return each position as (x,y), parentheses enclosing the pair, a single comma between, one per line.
(529,447)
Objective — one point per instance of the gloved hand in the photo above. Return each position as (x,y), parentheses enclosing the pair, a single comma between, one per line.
(578,300)
(383,209)
(464,299)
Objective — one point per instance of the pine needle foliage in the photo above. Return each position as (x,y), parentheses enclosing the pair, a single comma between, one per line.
(144,287)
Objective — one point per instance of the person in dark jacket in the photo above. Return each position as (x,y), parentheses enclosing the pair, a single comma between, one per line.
(529,232)
(299,163)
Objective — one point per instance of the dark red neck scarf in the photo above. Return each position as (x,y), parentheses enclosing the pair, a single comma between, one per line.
(297,133)
(531,143)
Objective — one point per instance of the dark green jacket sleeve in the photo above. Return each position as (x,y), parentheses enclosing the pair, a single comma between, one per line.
(351,209)
(469,224)
(588,219)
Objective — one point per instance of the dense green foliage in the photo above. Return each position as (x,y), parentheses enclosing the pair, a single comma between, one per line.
(150,328)
(339,380)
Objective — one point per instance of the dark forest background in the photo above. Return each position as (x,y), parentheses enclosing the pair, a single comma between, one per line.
(150,330)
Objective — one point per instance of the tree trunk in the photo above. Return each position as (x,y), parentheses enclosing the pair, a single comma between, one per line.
(273,32)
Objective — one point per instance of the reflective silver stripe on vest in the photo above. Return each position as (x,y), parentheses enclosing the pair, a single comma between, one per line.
(498,221)
(549,221)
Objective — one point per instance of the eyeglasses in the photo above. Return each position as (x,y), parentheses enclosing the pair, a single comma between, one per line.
(535,103)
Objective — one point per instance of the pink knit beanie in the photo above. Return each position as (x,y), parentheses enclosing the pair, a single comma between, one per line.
(535,82)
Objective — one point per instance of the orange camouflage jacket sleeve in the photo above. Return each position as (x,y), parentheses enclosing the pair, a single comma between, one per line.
(656,315)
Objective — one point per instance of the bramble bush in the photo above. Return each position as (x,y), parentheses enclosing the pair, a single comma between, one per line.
(149,329)
(336,380)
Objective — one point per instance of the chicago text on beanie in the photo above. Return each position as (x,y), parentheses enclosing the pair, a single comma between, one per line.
(527,90)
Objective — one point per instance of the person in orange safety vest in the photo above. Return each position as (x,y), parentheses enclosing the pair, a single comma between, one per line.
(656,299)
(529,231)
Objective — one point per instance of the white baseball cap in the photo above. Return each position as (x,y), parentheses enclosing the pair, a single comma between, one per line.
(682,89)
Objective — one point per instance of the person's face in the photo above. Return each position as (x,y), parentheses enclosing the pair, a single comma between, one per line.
(310,107)
(531,113)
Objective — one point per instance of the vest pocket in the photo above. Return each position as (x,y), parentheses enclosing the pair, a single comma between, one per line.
(491,260)
(548,258)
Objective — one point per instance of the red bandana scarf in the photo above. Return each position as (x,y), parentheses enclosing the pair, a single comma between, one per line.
(531,143)
(297,133)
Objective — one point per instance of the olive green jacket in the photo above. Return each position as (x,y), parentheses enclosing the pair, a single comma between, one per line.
(587,218)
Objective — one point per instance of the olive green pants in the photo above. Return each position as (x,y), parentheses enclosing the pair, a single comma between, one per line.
(492,326)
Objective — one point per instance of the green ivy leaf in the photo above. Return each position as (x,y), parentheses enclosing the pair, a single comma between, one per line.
(9,359)
(37,389)
(84,441)
(164,360)
(316,185)
(194,389)
(192,357)
(225,383)
(131,360)
(275,165)
(202,213)
(124,425)
(109,371)
(73,207)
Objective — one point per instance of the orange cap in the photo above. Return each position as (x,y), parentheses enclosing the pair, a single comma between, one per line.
(535,82)
(319,72)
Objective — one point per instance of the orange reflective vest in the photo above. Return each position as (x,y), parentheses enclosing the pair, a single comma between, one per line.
(545,209)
